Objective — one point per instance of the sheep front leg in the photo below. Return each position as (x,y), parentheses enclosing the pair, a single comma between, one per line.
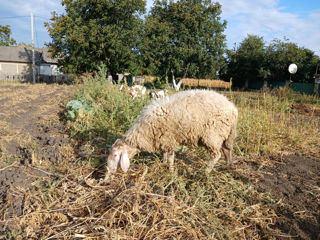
(213,145)
(165,158)
(215,156)
(169,156)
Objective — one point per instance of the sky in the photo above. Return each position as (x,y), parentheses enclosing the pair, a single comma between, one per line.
(297,20)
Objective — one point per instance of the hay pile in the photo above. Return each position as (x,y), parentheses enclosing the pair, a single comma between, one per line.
(193,82)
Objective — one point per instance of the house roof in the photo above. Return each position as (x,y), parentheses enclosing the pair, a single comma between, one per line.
(23,54)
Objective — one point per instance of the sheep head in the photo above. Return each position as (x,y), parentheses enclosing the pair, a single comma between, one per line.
(120,154)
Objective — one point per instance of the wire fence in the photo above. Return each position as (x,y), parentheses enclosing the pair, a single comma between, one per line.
(63,78)
(15,78)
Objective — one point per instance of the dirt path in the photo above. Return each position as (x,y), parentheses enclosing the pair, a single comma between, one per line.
(31,137)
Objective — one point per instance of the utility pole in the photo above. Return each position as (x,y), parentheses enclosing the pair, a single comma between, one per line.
(33,57)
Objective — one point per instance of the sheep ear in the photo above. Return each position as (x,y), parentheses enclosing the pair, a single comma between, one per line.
(124,161)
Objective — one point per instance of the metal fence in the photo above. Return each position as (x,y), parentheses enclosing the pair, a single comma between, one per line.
(307,88)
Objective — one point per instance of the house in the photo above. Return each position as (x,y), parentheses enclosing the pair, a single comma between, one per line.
(16,64)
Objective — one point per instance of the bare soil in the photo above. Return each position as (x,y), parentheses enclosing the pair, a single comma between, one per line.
(33,139)
(305,109)
(294,183)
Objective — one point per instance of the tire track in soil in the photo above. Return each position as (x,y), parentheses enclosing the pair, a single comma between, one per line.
(31,137)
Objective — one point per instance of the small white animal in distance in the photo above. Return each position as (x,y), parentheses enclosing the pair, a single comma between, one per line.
(159,94)
(134,91)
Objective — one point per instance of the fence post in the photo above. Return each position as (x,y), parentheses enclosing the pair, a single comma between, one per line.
(316,89)
(316,86)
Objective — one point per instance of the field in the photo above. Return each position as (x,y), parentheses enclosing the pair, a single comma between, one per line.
(51,167)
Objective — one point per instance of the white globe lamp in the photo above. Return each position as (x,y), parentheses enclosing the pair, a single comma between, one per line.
(292,68)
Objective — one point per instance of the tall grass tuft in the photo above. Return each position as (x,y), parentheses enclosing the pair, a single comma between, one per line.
(268,124)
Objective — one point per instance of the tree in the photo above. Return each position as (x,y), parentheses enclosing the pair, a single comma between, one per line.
(92,32)
(183,39)
(247,63)
(282,53)
(5,38)
(252,62)
(308,66)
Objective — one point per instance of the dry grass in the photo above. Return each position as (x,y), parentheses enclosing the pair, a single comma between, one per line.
(147,203)
(19,99)
(268,124)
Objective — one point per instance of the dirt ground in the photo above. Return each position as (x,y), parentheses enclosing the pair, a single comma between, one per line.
(32,138)
(294,182)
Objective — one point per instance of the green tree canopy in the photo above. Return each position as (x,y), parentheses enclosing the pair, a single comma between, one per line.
(253,62)
(247,63)
(185,37)
(5,36)
(281,54)
(92,32)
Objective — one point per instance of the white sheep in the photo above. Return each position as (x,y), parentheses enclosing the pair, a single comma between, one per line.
(191,118)
(159,94)
(134,91)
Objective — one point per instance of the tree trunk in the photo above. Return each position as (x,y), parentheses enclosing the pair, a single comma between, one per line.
(167,81)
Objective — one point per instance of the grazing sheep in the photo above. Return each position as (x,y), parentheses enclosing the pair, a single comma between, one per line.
(134,91)
(159,94)
(192,118)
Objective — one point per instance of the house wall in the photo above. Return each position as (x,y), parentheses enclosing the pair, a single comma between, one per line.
(15,68)
(10,71)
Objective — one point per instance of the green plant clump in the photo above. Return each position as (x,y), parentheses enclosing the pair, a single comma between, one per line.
(113,111)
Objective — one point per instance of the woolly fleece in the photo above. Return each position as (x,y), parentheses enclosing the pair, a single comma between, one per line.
(190,118)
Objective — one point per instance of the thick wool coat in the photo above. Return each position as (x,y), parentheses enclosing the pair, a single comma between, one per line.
(190,118)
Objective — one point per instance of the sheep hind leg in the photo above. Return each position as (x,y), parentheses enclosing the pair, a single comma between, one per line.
(227,146)
(227,151)
(169,157)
